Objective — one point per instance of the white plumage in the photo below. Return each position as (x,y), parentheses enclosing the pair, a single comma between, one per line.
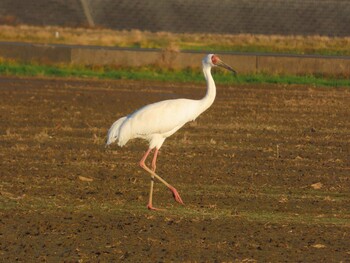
(170,116)
(155,122)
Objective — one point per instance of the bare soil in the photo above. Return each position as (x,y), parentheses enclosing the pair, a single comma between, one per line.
(264,174)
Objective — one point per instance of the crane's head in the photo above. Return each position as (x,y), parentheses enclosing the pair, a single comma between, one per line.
(213,61)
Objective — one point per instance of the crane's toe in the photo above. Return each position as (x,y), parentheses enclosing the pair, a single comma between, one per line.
(151,207)
(176,195)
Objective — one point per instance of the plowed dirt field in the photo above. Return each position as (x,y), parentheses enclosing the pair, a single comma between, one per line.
(264,175)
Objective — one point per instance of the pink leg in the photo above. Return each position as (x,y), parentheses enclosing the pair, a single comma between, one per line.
(154,161)
(154,165)
(143,165)
(153,174)
(143,159)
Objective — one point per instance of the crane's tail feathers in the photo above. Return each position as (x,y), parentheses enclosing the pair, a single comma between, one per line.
(113,132)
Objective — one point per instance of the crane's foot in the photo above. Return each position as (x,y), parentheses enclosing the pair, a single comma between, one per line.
(151,207)
(176,195)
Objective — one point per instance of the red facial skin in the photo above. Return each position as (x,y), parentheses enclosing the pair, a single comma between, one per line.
(214,59)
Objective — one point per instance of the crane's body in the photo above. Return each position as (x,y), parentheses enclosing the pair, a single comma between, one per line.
(171,116)
(155,122)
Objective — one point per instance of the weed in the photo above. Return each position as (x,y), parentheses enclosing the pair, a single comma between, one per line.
(178,41)
(11,68)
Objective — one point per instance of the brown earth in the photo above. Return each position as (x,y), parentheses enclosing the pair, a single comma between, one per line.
(264,175)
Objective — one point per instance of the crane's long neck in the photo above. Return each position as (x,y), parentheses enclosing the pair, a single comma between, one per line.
(209,97)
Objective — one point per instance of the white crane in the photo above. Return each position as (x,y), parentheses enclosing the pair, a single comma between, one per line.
(155,122)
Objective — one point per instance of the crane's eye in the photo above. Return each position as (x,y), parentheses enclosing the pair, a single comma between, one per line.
(214,59)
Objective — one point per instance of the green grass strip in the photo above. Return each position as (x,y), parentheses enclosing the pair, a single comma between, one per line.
(156,74)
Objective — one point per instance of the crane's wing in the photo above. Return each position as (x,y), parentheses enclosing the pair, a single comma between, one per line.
(158,118)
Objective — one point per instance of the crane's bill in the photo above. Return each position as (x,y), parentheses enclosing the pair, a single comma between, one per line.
(222,64)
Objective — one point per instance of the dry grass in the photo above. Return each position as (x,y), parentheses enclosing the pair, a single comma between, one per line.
(165,40)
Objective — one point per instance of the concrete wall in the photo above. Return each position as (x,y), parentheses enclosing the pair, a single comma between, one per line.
(304,65)
(243,63)
(36,53)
